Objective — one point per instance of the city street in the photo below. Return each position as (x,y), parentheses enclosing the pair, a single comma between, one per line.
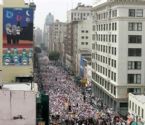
(67,103)
(66,100)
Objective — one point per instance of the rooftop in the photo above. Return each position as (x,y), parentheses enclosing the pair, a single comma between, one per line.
(139,98)
(21,86)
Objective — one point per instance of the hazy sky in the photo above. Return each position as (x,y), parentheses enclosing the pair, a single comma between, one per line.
(57,7)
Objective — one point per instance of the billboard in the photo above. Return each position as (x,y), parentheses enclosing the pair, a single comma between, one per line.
(82,66)
(17,36)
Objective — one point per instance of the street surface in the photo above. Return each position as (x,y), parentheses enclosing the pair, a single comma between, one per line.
(67,104)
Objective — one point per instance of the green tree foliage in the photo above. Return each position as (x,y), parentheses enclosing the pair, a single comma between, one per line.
(54,56)
(37,50)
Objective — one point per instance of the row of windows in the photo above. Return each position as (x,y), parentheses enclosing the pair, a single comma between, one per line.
(76,19)
(84,43)
(105,71)
(135,13)
(136,109)
(84,31)
(134,52)
(134,26)
(105,60)
(134,90)
(107,85)
(108,14)
(134,39)
(134,78)
(80,14)
(83,37)
(107,38)
(106,27)
(134,65)
(106,49)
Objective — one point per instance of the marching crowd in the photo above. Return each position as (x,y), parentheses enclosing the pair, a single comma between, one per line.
(67,104)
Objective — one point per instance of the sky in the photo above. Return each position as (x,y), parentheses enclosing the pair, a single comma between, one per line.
(57,7)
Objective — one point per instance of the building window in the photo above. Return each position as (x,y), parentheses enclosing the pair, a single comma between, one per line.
(114,13)
(135,12)
(133,26)
(132,106)
(112,26)
(138,110)
(86,43)
(129,104)
(134,52)
(142,113)
(93,37)
(82,43)
(82,37)
(82,31)
(134,90)
(134,39)
(114,90)
(135,108)
(134,65)
(86,37)
(115,26)
(93,27)
(132,12)
(139,12)
(134,78)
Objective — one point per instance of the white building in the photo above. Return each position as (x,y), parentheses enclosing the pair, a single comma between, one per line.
(81,12)
(118,51)
(137,106)
(82,39)
(78,35)
(58,33)
(18,104)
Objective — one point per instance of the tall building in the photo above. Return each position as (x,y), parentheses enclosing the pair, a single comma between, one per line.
(37,37)
(16,36)
(118,51)
(77,33)
(47,30)
(81,12)
(82,42)
(58,36)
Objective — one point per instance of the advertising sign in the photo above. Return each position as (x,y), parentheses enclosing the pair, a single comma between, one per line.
(82,67)
(17,36)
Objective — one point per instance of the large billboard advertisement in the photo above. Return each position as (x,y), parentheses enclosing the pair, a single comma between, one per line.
(17,36)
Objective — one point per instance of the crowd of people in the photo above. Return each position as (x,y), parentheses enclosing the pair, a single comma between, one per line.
(68,105)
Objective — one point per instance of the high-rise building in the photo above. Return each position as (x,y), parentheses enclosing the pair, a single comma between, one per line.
(118,51)
(77,35)
(58,33)
(16,38)
(48,30)
(82,42)
(37,37)
(81,12)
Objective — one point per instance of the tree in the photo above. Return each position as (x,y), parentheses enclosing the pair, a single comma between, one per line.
(54,56)
(37,50)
